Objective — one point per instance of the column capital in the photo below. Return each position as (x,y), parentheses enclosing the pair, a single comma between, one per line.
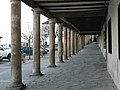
(37,10)
(64,26)
(51,20)
(74,31)
(71,28)
(60,23)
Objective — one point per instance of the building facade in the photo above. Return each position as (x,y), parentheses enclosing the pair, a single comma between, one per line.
(110,42)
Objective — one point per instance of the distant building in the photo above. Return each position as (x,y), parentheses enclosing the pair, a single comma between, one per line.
(26,44)
(45,33)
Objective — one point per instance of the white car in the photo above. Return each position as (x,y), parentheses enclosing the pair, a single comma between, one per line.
(5,52)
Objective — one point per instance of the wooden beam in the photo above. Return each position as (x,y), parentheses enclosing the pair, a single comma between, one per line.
(46,1)
(76,10)
(74,7)
(72,3)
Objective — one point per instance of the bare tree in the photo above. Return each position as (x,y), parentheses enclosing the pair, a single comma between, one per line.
(28,37)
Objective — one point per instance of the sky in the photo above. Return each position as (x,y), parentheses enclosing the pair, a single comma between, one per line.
(5,20)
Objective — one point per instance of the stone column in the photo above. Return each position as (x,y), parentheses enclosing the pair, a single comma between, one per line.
(16,71)
(36,43)
(69,41)
(52,43)
(78,42)
(72,47)
(65,44)
(82,41)
(75,42)
(60,43)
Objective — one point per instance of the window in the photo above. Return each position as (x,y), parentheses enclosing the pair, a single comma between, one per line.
(109,37)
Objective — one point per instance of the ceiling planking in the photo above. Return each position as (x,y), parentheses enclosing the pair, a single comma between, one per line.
(85,16)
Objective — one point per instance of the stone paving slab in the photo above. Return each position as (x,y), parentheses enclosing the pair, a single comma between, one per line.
(84,71)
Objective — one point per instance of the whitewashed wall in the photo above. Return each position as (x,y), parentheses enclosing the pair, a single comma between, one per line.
(113,63)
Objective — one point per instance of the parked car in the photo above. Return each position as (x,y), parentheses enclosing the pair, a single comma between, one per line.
(5,52)
(27,50)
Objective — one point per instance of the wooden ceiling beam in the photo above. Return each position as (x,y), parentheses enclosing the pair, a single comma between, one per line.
(74,7)
(71,3)
(76,10)
(47,1)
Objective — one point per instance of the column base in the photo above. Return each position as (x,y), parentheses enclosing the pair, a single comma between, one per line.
(16,87)
(37,74)
(66,59)
(60,62)
(50,66)
(73,54)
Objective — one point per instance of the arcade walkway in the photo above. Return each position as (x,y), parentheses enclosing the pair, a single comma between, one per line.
(84,71)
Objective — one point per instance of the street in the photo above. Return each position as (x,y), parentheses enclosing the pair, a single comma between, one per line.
(5,69)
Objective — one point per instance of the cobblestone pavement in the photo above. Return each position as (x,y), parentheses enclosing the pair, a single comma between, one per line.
(84,71)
